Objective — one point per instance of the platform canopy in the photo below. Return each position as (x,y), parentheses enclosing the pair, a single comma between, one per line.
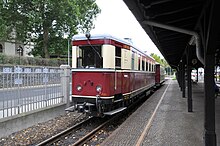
(189,15)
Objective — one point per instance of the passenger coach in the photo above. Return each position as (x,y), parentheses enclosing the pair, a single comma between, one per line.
(108,74)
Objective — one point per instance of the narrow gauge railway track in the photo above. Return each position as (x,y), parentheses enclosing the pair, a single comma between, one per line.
(56,137)
(60,138)
(91,134)
(98,135)
(76,135)
(109,126)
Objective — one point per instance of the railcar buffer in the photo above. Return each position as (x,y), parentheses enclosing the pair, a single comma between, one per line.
(71,109)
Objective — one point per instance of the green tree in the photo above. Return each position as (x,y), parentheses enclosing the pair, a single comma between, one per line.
(162,61)
(45,22)
(156,57)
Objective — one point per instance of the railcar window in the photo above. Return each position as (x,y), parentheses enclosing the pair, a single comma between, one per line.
(139,62)
(143,65)
(146,66)
(150,66)
(132,61)
(117,57)
(89,57)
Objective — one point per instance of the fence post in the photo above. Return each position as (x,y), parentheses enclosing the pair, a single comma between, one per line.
(65,83)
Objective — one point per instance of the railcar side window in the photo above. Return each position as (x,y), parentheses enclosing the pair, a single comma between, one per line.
(89,57)
(151,66)
(117,57)
(132,61)
(139,62)
(147,66)
(143,65)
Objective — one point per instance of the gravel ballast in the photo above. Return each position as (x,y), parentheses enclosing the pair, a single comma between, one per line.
(37,133)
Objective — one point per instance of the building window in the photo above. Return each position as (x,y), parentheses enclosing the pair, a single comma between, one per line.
(1,48)
(20,51)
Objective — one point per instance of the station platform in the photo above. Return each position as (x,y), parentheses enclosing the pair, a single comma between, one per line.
(167,123)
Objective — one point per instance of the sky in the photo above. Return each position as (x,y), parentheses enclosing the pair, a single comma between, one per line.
(117,20)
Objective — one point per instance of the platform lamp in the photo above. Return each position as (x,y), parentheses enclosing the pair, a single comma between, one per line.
(67,35)
(68,46)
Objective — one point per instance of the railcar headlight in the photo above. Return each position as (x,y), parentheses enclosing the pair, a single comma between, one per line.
(98,88)
(79,88)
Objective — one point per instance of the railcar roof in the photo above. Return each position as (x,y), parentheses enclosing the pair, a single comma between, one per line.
(99,36)
(79,37)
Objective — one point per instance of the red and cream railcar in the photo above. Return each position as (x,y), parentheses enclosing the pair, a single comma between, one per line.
(108,74)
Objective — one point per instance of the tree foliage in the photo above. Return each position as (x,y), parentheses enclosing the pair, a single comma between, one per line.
(45,22)
(162,61)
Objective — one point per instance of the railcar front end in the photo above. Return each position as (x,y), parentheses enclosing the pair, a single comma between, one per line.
(93,90)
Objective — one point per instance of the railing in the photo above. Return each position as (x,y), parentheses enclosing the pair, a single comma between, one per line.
(24,89)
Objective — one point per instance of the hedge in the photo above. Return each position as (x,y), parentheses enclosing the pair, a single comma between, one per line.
(33,61)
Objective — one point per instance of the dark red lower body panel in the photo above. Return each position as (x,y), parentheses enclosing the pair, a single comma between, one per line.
(112,83)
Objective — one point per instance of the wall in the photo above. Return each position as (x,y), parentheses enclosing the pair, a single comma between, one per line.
(9,48)
(18,122)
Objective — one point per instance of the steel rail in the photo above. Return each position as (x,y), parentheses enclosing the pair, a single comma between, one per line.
(63,133)
(88,136)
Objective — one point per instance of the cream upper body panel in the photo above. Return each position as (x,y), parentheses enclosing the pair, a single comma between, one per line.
(74,56)
(108,54)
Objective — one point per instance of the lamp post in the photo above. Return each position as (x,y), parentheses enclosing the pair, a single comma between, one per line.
(68,51)
(19,50)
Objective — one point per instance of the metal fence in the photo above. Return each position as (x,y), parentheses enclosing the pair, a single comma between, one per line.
(23,89)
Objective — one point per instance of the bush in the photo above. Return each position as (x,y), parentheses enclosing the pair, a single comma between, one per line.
(2,58)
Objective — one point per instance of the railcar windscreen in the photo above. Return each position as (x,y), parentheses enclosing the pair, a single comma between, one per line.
(90,57)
